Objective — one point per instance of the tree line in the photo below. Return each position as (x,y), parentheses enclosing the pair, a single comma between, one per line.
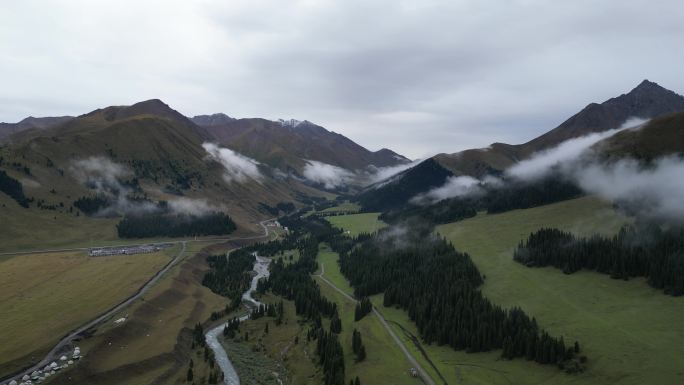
(13,189)
(330,357)
(230,276)
(362,308)
(357,346)
(90,205)
(294,282)
(165,224)
(635,251)
(439,288)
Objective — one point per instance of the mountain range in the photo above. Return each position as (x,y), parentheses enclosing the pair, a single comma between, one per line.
(648,100)
(257,163)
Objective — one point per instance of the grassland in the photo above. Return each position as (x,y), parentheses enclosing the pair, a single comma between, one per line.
(33,229)
(43,296)
(385,362)
(357,223)
(153,344)
(632,333)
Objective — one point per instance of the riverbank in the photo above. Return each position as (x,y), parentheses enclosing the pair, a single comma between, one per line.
(213,336)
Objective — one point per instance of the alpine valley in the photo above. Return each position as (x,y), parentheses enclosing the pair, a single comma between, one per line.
(143,246)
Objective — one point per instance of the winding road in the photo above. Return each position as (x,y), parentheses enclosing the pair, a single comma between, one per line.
(421,372)
(58,349)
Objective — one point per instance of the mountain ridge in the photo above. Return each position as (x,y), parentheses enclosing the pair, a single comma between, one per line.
(647,100)
(290,146)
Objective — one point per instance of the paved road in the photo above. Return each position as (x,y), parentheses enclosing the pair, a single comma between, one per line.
(56,351)
(421,372)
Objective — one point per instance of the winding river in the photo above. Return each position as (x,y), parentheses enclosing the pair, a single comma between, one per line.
(212,336)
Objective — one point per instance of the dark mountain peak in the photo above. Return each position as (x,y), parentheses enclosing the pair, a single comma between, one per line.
(647,85)
(152,107)
(652,90)
(218,119)
(400,188)
(387,153)
(647,100)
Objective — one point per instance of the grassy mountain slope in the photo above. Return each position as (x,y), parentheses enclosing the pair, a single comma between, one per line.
(659,137)
(158,146)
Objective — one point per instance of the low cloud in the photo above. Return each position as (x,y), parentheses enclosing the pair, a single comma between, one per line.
(379,174)
(189,206)
(565,153)
(107,179)
(99,172)
(326,174)
(455,186)
(238,168)
(653,190)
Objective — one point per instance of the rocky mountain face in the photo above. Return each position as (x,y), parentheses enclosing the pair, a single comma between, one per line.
(288,145)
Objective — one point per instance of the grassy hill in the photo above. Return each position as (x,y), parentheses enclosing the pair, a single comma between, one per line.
(158,148)
(659,137)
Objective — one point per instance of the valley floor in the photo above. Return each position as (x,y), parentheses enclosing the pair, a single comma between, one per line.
(631,333)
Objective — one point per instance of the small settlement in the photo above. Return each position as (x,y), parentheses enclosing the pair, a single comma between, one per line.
(127,250)
(40,375)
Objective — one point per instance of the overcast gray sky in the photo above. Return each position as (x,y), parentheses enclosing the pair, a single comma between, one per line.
(420,77)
